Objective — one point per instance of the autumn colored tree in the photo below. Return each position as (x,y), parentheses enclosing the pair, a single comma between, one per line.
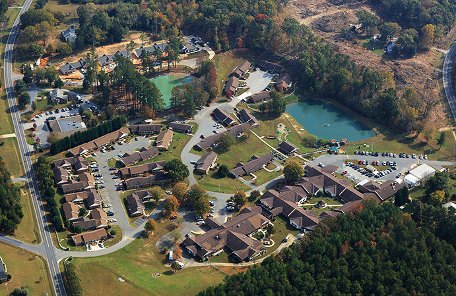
(292,171)
(427,37)
(239,199)
(180,191)
(170,206)
(150,227)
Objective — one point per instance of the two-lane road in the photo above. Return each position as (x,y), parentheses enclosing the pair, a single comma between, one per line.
(48,250)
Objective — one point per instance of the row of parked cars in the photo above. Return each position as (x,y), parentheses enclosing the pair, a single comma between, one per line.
(390,154)
(371,173)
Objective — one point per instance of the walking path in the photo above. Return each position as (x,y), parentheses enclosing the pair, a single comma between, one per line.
(5,136)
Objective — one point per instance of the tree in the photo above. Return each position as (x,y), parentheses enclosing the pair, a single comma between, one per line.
(226,140)
(20,86)
(23,100)
(180,191)
(275,106)
(427,37)
(176,170)
(150,226)
(401,197)
(368,21)
(58,83)
(292,171)
(254,195)
(74,282)
(389,30)
(156,192)
(239,199)
(3,7)
(201,205)
(406,44)
(177,253)
(437,198)
(82,212)
(171,206)
(19,292)
(441,139)
(223,171)
(309,141)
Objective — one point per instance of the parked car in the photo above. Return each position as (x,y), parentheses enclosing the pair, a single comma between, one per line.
(110,213)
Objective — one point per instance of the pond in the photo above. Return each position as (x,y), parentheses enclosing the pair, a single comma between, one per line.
(326,121)
(166,83)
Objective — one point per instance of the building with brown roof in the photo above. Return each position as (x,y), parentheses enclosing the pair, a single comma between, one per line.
(88,179)
(253,165)
(85,223)
(101,216)
(164,139)
(94,199)
(135,206)
(100,142)
(143,169)
(260,97)
(73,186)
(71,211)
(145,129)
(232,236)
(143,182)
(231,86)
(180,127)
(381,191)
(206,162)
(284,82)
(89,237)
(143,155)
(78,164)
(61,175)
(242,70)
(213,140)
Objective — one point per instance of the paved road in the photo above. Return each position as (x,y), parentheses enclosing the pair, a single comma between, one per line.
(48,250)
(447,82)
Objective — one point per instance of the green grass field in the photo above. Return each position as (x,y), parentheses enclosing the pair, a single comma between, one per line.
(27,270)
(175,149)
(225,64)
(7,125)
(27,231)
(132,271)
(224,185)
(9,151)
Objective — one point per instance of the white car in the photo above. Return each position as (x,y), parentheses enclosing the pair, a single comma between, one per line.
(168,192)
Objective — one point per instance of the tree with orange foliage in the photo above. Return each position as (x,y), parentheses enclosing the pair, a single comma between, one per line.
(171,205)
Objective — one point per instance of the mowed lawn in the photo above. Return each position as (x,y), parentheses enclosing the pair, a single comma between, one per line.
(175,149)
(6,126)
(133,271)
(27,231)
(27,270)
(9,151)
(225,64)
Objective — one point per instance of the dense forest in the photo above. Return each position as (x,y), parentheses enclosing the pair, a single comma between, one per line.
(10,202)
(379,251)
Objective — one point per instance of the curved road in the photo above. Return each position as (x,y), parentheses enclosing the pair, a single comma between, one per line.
(47,248)
(447,82)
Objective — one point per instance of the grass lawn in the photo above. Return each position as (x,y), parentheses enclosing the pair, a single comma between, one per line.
(225,64)
(116,239)
(243,151)
(150,206)
(132,271)
(281,229)
(375,47)
(397,144)
(175,149)
(318,211)
(7,125)
(9,151)
(27,270)
(112,162)
(264,176)
(27,231)
(225,185)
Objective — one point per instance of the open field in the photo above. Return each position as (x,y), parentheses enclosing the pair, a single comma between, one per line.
(27,231)
(133,271)
(7,125)
(225,64)
(175,149)
(225,185)
(9,151)
(27,270)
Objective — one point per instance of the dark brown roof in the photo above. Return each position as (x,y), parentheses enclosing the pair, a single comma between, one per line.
(180,127)
(141,182)
(73,186)
(134,204)
(145,128)
(222,117)
(259,97)
(253,165)
(246,116)
(90,236)
(286,147)
(164,139)
(127,172)
(144,154)
(382,191)
(205,162)
(70,210)
(86,223)
(232,84)
(213,140)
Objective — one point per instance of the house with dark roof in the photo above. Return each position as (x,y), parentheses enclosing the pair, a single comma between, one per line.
(283,83)
(4,276)
(141,155)
(145,129)
(180,127)
(247,117)
(69,68)
(222,117)
(143,169)
(71,211)
(135,206)
(106,60)
(287,148)
(85,223)
(73,186)
(260,97)
(213,140)
(254,164)
(206,162)
(143,182)
(233,236)
(100,142)
(69,34)
(381,191)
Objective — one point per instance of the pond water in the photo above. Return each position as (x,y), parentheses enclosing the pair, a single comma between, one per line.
(166,83)
(326,121)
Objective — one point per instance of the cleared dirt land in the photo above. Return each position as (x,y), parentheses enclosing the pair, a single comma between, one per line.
(329,18)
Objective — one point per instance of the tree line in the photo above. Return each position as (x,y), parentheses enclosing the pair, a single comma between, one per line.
(90,134)
(45,177)
(10,202)
(378,251)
